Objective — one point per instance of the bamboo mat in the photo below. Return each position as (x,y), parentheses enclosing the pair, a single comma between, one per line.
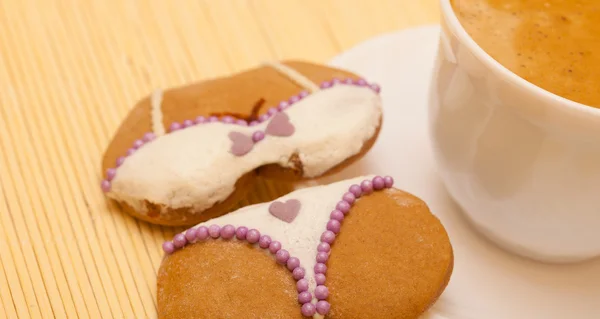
(70,71)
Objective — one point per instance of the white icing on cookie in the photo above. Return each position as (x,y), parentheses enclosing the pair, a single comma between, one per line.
(302,236)
(293,75)
(156,113)
(195,168)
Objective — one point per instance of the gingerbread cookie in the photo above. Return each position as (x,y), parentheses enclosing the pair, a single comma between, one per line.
(189,154)
(353,249)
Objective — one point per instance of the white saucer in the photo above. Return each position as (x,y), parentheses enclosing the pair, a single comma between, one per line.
(487,283)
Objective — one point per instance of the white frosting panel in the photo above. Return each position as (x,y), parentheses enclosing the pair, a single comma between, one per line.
(302,236)
(193,167)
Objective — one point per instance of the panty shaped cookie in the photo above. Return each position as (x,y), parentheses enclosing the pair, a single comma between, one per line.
(352,249)
(189,154)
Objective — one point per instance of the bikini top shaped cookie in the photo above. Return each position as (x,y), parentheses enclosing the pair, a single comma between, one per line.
(173,175)
(353,249)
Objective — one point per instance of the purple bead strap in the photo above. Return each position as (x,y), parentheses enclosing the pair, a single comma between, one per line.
(252,236)
(333,227)
(256,137)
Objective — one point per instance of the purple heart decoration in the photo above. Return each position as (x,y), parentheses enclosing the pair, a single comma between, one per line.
(242,144)
(280,125)
(287,211)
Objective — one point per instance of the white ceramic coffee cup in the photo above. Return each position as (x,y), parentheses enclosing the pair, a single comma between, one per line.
(523,163)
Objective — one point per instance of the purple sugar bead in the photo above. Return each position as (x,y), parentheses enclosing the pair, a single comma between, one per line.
(258,136)
(326,84)
(336,81)
(389,181)
(337,215)
(240,232)
(263,117)
(375,87)
(320,279)
(328,237)
(361,82)
(302,285)
(343,207)
(168,247)
(191,235)
(321,292)
(254,123)
(120,160)
(367,187)
(200,120)
(334,226)
(241,122)
(349,198)
(356,190)
(293,263)
(212,119)
(322,257)
(308,309)
(294,99)
(272,111)
(378,183)
(227,232)
(174,126)
(348,81)
(137,144)
(320,268)
(274,247)
(283,105)
(298,273)
(148,137)
(188,123)
(304,297)
(130,151)
(253,236)
(282,256)
(179,240)
(324,247)
(110,174)
(303,94)
(202,233)
(227,119)
(264,241)
(323,307)
(105,185)
(214,231)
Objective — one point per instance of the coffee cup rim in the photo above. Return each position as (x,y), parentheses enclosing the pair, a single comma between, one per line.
(450,16)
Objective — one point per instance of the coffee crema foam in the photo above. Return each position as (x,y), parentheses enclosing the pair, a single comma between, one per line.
(554,44)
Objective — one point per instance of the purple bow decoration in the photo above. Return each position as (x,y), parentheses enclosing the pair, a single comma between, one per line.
(278,126)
